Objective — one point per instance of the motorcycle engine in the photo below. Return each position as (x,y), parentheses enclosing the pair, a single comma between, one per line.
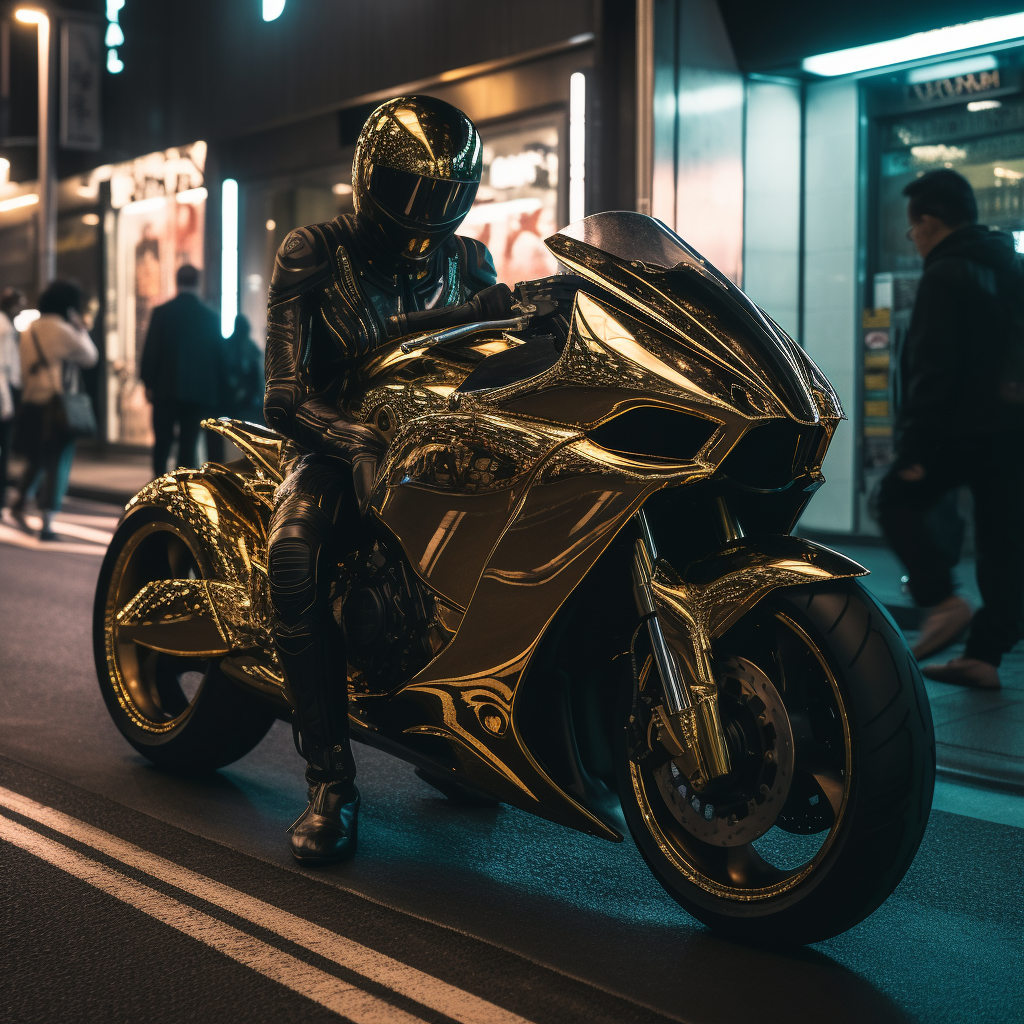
(385,614)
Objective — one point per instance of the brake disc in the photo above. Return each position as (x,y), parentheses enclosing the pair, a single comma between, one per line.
(738,808)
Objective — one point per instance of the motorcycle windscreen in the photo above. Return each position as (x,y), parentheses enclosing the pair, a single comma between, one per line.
(640,260)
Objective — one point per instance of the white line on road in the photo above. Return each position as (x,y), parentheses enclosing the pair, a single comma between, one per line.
(67,528)
(20,539)
(323,988)
(408,981)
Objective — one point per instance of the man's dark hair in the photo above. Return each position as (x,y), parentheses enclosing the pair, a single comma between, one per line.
(187,276)
(11,297)
(59,297)
(943,194)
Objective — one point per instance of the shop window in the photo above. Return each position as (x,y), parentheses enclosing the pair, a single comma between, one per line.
(517,206)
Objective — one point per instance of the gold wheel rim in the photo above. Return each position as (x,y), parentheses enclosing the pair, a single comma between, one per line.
(136,672)
(678,850)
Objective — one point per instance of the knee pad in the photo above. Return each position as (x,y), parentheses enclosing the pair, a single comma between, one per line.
(291,570)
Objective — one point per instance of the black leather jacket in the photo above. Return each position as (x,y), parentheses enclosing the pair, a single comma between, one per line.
(962,365)
(329,304)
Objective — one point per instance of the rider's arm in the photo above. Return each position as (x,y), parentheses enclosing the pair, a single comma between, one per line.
(291,404)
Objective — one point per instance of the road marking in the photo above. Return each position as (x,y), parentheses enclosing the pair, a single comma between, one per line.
(323,988)
(18,538)
(408,981)
(72,529)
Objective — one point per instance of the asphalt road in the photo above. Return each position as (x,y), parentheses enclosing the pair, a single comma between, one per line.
(127,894)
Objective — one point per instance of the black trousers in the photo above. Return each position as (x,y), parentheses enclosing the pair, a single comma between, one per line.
(47,460)
(187,417)
(992,466)
(6,437)
(316,509)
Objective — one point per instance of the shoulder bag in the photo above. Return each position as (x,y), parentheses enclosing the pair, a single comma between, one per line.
(68,416)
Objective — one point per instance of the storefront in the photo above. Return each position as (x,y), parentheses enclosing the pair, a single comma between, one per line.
(965,114)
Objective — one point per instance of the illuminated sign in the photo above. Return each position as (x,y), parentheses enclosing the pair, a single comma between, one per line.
(950,88)
(114,37)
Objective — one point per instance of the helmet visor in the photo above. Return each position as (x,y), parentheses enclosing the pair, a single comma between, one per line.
(431,202)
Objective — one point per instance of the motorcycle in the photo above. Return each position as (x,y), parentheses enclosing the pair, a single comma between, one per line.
(577,592)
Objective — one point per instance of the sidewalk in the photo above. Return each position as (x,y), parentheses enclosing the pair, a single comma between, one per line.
(979,735)
(112,477)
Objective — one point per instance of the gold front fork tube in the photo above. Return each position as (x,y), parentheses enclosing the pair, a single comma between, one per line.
(689,723)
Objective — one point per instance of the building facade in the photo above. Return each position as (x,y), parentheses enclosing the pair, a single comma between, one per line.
(706,114)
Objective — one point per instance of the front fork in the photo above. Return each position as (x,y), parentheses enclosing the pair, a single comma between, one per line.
(688,723)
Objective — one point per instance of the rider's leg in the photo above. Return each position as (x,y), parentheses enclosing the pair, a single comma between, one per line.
(314,505)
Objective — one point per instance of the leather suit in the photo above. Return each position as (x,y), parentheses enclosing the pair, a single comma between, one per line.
(333,289)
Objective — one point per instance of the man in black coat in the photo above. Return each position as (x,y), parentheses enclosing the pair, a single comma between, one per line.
(182,370)
(961,421)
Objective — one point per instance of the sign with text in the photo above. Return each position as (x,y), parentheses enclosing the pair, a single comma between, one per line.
(81,52)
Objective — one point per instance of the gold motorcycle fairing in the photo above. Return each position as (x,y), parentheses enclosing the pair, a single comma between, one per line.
(502,504)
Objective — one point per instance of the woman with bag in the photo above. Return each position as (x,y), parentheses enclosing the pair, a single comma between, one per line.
(53,411)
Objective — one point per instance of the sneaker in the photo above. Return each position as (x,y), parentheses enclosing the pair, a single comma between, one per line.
(971,672)
(48,535)
(941,626)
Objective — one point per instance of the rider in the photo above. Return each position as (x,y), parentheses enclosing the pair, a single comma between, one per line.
(338,291)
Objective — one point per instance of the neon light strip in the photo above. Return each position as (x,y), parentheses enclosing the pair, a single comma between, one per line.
(228,256)
(917,46)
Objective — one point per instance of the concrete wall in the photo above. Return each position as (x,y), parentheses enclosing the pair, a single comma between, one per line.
(830,281)
(771,208)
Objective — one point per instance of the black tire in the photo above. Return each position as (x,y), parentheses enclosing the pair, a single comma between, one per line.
(207,728)
(888,785)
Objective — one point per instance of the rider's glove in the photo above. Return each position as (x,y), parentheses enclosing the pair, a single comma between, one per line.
(493,303)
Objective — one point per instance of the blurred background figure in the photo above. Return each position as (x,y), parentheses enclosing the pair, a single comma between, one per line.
(183,371)
(53,348)
(961,421)
(12,302)
(244,379)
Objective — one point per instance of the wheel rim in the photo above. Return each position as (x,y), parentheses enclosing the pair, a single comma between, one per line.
(156,690)
(812,805)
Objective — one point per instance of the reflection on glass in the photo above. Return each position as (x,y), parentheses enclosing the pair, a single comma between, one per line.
(516,205)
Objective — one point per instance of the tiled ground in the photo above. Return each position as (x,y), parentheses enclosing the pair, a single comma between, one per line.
(979,734)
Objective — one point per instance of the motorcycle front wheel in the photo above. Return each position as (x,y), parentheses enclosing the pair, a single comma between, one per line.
(833,767)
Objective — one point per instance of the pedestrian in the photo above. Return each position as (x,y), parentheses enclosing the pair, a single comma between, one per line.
(52,349)
(182,370)
(244,364)
(961,421)
(12,302)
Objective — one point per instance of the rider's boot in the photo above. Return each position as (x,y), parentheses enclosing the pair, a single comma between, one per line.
(326,832)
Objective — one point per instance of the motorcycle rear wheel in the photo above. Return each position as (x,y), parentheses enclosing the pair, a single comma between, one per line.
(861,774)
(183,714)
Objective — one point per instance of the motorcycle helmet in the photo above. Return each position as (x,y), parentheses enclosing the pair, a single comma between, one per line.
(415,174)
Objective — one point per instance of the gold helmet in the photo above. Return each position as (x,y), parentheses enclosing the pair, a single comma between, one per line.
(415,173)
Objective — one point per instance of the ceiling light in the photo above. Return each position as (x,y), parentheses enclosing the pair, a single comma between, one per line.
(977,105)
(272,9)
(918,46)
(271,225)
(342,189)
(92,219)
(29,16)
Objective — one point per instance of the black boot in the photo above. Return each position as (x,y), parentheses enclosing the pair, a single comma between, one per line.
(327,830)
